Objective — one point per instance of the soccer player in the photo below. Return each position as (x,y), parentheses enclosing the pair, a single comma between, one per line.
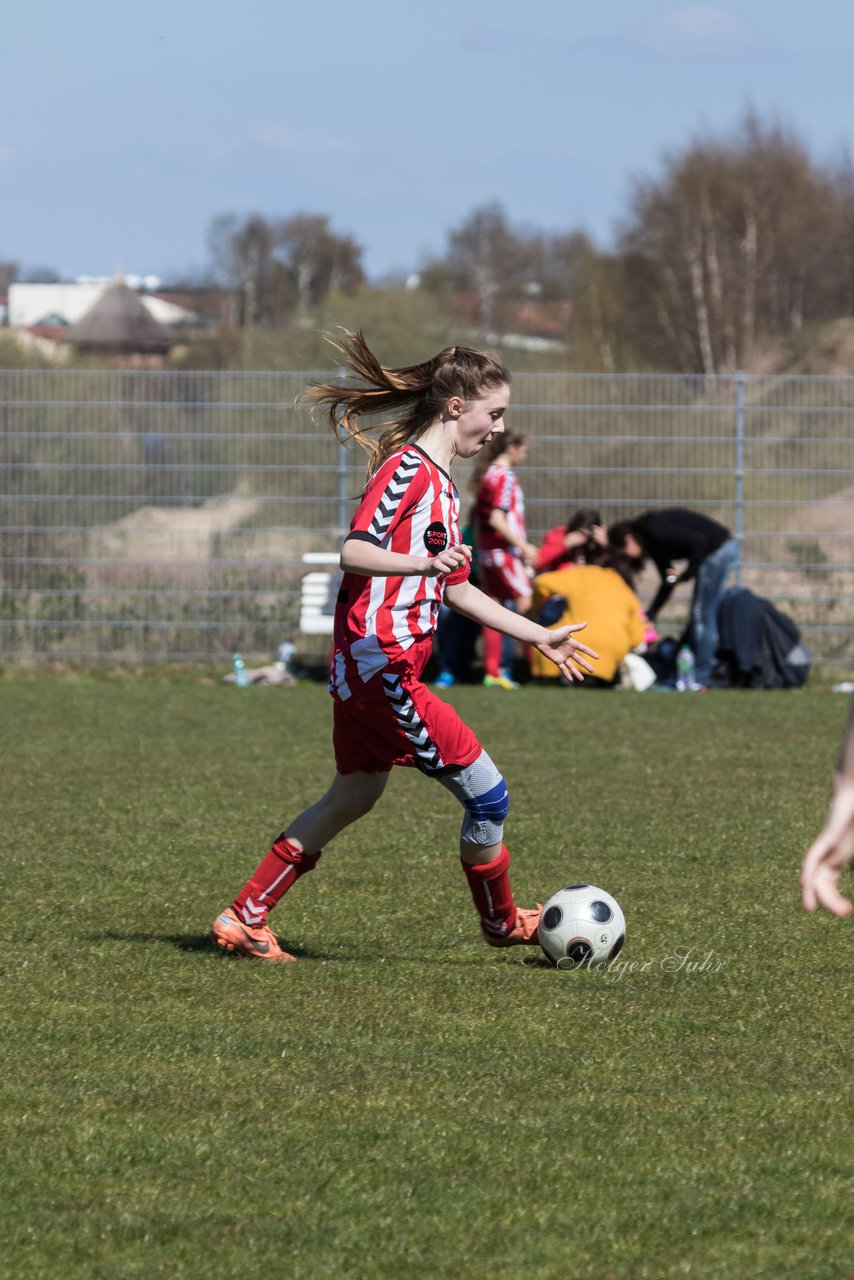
(506,558)
(833,848)
(402,556)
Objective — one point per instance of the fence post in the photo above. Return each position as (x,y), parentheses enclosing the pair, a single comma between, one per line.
(739,470)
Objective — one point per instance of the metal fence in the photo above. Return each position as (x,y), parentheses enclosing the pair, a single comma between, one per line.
(152,516)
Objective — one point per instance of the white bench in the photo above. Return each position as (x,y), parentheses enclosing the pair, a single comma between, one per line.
(318,594)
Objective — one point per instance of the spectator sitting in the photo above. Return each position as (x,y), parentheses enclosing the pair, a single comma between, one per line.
(583,540)
(600,594)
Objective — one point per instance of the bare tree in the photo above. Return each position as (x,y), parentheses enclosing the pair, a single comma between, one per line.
(8,275)
(40,275)
(487,258)
(841,265)
(318,260)
(733,243)
(275,267)
(243,255)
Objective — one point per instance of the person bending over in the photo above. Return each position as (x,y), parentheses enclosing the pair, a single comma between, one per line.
(711,552)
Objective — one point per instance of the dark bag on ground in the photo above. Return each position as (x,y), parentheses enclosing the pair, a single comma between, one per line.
(661,656)
(758,646)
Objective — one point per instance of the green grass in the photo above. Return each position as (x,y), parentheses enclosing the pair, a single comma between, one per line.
(404,1101)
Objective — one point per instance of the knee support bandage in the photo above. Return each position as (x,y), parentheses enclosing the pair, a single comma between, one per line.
(482,792)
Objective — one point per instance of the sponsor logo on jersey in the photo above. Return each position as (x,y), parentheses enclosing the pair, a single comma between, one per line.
(435,537)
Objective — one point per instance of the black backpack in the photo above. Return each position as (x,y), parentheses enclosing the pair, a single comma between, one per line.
(758,646)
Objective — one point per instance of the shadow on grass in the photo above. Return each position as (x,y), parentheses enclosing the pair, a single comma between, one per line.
(536,960)
(195,942)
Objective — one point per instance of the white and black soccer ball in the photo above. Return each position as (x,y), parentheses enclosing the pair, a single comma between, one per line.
(581,926)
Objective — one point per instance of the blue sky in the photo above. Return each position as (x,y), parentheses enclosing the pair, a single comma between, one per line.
(125,130)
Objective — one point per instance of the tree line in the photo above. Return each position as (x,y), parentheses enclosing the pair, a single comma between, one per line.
(738,241)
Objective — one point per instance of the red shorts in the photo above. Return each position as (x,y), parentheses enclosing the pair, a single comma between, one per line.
(507,580)
(395,719)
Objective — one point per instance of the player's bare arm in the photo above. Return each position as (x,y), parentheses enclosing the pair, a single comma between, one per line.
(569,655)
(498,520)
(368,560)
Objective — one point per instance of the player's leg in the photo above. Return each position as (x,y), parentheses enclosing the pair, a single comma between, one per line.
(509,584)
(709,591)
(485,861)
(444,747)
(520,604)
(349,798)
(243,928)
(508,645)
(492,584)
(518,600)
(447,655)
(492,645)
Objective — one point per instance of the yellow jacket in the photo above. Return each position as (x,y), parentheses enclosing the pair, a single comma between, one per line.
(605,602)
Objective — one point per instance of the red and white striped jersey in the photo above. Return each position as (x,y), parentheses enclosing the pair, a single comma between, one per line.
(410,506)
(499,488)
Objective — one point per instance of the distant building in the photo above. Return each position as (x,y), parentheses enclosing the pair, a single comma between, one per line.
(105,318)
(65,304)
(119,325)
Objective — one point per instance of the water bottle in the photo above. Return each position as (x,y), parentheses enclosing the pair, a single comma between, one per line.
(241,675)
(684,669)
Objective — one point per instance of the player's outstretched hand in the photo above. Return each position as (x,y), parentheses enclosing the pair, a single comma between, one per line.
(568,655)
(448,560)
(832,850)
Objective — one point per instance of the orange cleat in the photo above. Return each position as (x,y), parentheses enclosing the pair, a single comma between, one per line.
(523,933)
(256,941)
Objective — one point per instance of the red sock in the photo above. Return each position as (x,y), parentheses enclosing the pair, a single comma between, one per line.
(492,641)
(489,883)
(278,872)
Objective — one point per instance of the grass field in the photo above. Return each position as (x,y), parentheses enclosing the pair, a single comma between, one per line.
(405,1102)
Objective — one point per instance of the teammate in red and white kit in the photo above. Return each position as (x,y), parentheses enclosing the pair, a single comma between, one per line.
(402,556)
(505,557)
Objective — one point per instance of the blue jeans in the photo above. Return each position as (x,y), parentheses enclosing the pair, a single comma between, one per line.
(709,590)
(455,641)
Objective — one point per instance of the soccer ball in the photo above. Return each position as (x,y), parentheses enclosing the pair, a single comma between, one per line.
(581,926)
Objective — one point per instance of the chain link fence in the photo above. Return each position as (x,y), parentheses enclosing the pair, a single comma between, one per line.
(155,516)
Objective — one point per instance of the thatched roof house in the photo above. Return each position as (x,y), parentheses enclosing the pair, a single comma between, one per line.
(119,324)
